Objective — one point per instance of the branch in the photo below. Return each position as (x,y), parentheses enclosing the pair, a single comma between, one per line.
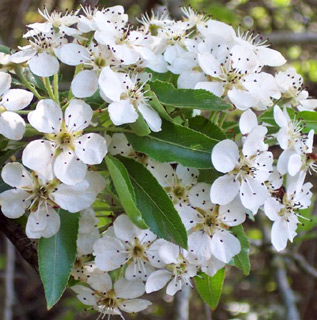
(15,233)
(9,281)
(289,38)
(181,304)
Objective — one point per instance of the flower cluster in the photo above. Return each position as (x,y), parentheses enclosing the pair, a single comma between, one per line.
(62,140)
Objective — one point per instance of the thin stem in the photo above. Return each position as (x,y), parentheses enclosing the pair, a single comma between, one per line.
(113,129)
(47,84)
(107,208)
(56,93)
(222,119)
(25,81)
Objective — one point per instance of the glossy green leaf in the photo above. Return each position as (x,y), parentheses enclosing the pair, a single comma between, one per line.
(140,127)
(187,98)
(208,175)
(176,143)
(309,120)
(155,205)
(210,288)
(205,126)
(57,256)
(242,260)
(4,49)
(125,191)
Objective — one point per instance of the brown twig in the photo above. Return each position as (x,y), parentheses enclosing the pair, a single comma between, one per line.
(15,233)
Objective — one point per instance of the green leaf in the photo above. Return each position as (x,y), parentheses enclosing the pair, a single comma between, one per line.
(242,260)
(176,143)
(140,127)
(125,191)
(155,205)
(4,49)
(57,256)
(166,76)
(208,175)
(187,98)
(203,125)
(309,119)
(210,288)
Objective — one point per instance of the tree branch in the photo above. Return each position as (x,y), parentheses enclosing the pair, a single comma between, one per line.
(15,233)
(9,281)
(289,38)
(181,304)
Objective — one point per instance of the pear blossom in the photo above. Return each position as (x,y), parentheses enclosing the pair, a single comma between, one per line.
(245,171)
(12,125)
(177,273)
(177,182)
(33,192)
(111,299)
(129,245)
(207,225)
(294,143)
(283,209)
(127,99)
(290,84)
(68,151)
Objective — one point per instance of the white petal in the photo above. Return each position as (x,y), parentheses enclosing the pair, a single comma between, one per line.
(23,55)
(47,117)
(199,244)
(225,155)
(280,117)
(157,280)
(13,203)
(38,156)
(15,175)
(120,145)
(135,305)
(100,280)
(187,176)
(73,54)
(124,229)
(78,115)
(169,253)
(138,269)
(110,84)
(122,112)
(153,255)
(44,65)
(224,245)
(283,160)
(248,121)
(189,79)
(163,172)
(151,117)
(271,208)
(209,64)
(74,198)
(282,231)
(16,99)
(212,265)
(85,295)
(255,141)
(84,84)
(233,213)
(224,189)
(174,286)
(243,58)
(12,126)
(69,168)
(294,164)
(243,100)
(253,194)
(44,222)
(125,54)
(91,148)
(199,196)
(5,82)
(270,57)
(109,253)
(129,289)
(188,215)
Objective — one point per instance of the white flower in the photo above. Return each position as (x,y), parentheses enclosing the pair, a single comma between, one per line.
(40,196)
(246,171)
(127,99)
(290,83)
(177,182)
(129,245)
(179,270)
(12,126)
(283,210)
(68,150)
(88,232)
(294,143)
(111,300)
(208,223)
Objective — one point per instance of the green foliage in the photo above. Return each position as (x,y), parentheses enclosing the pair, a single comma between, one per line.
(57,256)
(140,127)
(155,205)
(187,98)
(210,288)
(203,125)
(124,188)
(176,143)
(242,260)
(310,120)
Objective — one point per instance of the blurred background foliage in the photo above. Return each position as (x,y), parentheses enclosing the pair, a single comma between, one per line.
(291,27)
